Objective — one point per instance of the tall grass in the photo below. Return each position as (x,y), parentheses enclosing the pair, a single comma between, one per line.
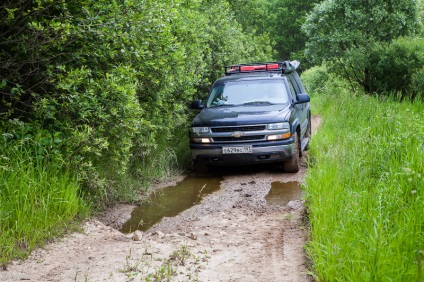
(38,200)
(170,156)
(365,189)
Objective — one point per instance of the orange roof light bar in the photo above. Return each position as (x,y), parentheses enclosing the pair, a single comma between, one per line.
(284,67)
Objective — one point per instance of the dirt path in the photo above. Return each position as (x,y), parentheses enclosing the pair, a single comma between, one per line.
(233,235)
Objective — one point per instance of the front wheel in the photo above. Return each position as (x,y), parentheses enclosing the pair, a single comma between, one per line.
(293,165)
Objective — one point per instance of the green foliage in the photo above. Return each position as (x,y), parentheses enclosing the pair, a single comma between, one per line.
(38,195)
(417,82)
(101,88)
(113,78)
(284,21)
(421,15)
(278,22)
(364,190)
(315,79)
(397,66)
(345,33)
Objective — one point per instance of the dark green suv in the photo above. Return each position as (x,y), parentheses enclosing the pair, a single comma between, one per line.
(256,113)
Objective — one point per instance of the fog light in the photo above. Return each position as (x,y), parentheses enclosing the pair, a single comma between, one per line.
(201,140)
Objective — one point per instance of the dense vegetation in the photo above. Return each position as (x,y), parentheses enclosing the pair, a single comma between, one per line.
(365,187)
(93,99)
(371,43)
(94,106)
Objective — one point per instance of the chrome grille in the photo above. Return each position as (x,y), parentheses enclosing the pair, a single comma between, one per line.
(238,128)
(242,138)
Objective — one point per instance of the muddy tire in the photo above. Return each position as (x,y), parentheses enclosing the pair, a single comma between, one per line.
(308,133)
(293,165)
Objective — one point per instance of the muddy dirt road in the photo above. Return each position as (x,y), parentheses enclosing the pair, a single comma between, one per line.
(234,234)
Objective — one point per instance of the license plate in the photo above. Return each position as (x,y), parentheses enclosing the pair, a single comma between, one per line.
(237,150)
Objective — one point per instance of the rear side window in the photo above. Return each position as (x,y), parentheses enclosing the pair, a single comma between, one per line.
(298,82)
(293,92)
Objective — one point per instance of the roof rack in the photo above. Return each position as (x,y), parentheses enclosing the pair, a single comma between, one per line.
(282,66)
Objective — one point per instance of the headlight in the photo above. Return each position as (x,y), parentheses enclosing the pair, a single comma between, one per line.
(278,136)
(278,126)
(199,130)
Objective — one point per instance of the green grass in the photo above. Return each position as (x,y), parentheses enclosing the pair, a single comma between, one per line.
(37,202)
(365,189)
(40,198)
(169,157)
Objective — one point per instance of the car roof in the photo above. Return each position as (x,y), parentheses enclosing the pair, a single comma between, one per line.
(251,76)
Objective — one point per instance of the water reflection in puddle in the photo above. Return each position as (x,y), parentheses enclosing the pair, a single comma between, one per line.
(170,201)
(282,193)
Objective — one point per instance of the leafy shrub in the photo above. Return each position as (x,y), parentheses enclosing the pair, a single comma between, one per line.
(350,36)
(417,82)
(112,79)
(315,79)
(396,66)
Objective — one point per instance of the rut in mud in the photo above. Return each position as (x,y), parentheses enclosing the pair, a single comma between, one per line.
(234,234)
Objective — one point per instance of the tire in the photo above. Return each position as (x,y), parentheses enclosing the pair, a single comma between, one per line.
(308,133)
(293,165)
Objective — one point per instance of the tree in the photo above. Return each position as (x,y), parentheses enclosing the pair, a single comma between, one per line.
(278,22)
(284,21)
(345,33)
(108,79)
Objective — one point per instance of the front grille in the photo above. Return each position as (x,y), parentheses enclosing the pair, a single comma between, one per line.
(242,138)
(238,128)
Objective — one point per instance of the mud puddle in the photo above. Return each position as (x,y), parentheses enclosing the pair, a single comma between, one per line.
(282,193)
(170,201)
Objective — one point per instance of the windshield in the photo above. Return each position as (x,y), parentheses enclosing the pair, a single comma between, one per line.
(248,92)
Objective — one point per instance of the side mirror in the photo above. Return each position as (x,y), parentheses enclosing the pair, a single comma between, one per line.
(196,105)
(302,98)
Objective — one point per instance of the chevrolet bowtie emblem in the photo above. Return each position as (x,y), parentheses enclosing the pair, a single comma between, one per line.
(237,134)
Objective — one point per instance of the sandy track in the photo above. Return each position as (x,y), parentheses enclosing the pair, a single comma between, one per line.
(233,235)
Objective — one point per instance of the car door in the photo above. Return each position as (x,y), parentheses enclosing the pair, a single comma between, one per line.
(300,109)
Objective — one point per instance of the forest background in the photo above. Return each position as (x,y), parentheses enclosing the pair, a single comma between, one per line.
(94,94)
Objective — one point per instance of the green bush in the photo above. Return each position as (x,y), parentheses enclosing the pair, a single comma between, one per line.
(315,79)
(113,78)
(93,100)
(396,66)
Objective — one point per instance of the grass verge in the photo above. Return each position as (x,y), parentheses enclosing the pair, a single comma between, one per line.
(37,202)
(365,189)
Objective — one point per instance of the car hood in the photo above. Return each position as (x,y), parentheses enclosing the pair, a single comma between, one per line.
(241,115)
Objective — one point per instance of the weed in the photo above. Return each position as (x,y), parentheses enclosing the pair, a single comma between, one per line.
(364,193)
(38,200)
(130,264)
(200,193)
(180,262)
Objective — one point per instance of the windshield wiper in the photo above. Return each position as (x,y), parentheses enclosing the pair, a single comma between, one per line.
(222,105)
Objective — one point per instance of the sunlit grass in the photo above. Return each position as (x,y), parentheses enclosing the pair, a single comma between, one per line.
(365,189)
(37,202)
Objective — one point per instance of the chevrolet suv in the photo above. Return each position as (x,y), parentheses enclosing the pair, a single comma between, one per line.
(256,113)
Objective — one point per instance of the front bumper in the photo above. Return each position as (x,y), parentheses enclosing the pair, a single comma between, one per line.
(262,152)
